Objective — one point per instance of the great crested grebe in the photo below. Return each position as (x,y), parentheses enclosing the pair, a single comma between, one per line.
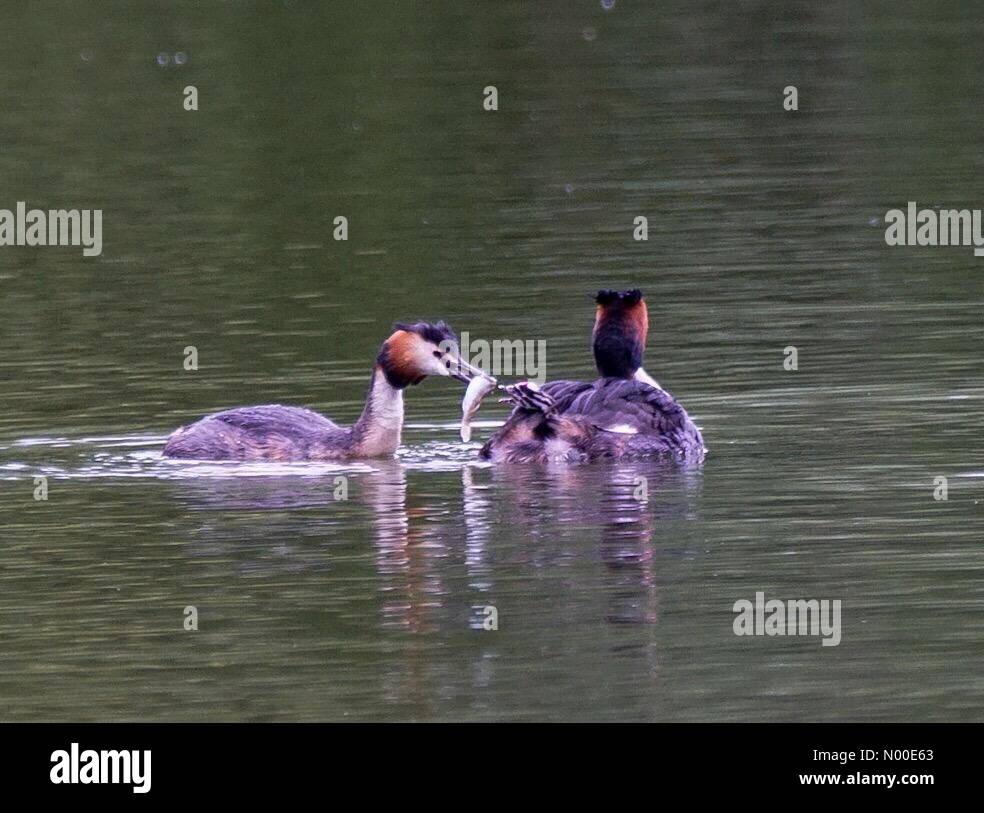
(284,433)
(624,415)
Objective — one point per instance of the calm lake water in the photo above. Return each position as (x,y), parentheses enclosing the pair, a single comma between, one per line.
(765,230)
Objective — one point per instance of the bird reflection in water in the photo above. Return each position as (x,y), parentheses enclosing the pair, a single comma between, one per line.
(535,516)
(554,507)
(410,584)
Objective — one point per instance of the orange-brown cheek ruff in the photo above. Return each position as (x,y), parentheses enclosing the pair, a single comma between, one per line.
(637,317)
(399,359)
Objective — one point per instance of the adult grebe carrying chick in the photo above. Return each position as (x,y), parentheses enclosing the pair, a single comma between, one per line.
(283,433)
(624,415)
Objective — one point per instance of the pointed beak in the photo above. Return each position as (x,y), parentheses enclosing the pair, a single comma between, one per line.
(461,369)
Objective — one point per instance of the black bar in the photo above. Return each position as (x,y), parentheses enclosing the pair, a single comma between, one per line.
(244,761)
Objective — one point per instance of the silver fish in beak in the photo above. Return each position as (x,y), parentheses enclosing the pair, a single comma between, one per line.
(478,388)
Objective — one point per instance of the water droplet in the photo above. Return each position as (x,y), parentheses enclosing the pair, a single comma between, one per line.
(569,188)
(356,126)
(608,5)
(86,56)
(180,58)
(163,59)
(589,34)
(874,221)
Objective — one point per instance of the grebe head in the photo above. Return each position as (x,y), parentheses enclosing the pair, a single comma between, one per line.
(416,351)
(619,335)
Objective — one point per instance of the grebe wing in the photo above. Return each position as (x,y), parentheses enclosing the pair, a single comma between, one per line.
(564,392)
(270,432)
(277,419)
(630,407)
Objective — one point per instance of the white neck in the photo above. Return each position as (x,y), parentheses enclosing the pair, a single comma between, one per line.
(382,419)
(645,378)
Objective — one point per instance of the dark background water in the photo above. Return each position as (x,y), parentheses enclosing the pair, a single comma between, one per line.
(765,231)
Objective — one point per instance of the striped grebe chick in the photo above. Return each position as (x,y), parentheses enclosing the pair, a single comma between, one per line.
(284,433)
(623,415)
